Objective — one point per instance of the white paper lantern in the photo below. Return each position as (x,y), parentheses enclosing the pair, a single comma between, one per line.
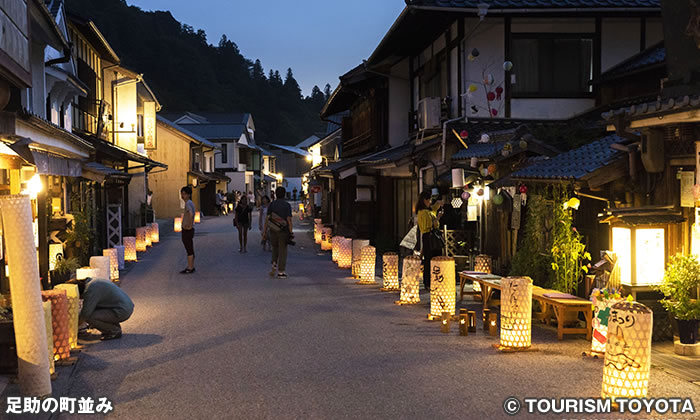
(197,217)
(335,245)
(141,239)
(326,234)
(443,289)
(357,245)
(457,178)
(345,253)
(410,282)
(628,351)
(120,255)
(129,248)
(101,265)
(390,271)
(368,265)
(147,228)
(113,263)
(177,224)
(155,233)
(516,312)
(85,273)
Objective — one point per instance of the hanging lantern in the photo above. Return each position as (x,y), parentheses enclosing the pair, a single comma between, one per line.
(573,203)
(129,248)
(73,300)
(367,268)
(59,322)
(147,229)
(628,351)
(498,199)
(490,96)
(602,305)
(101,267)
(155,233)
(55,254)
(484,172)
(499,92)
(492,169)
(522,144)
(345,253)
(390,271)
(113,263)
(326,237)
(410,282)
(357,245)
(466,195)
(335,245)
(442,286)
(457,178)
(85,273)
(523,189)
(197,217)
(457,203)
(177,224)
(464,134)
(48,323)
(507,66)
(480,192)
(516,312)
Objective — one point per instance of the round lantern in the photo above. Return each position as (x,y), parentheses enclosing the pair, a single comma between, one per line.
(498,199)
(367,268)
(48,321)
(113,263)
(485,138)
(507,66)
(345,253)
(466,195)
(59,322)
(464,134)
(443,289)
(120,255)
(73,300)
(129,248)
(491,96)
(177,224)
(522,144)
(523,189)
(155,233)
(357,245)
(197,217)
(492,168)
(602,305)
(102,267)
(390,271)
(516,312)
(410,282)
(628,351)
(141,239)
(335,243)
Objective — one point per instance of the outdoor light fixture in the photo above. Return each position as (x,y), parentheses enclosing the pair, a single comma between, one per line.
(482,264)
(230,208)
(73,301)
(483,10)
(141,239)
(641,254)
(335,244)
(129,248)
(493,325)
(463,322)
(471,315)
(25,288)
(442,286)
(59,322)
(155,233)
(48,322)
(485,318)
(445,322)
(410,281)
(113,263)
(628,352)
(85,273)
(357,245)
(516,312)
(55,253)
(177,224)
(197,217)
(457,203)
(326,235)
(345,253)
(367,269)
(101,267)
(390,272)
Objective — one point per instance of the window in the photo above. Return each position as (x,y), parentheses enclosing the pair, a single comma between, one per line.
(552,65)
(224,153)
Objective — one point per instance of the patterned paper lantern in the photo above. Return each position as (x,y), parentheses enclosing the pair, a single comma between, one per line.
(113,263)
(516,312)
(628,351)
(177,224)
(197,217)
(335,243)
(410,282)
(48,322)
(369,261)
(120,255)
(443,289)
(345,253)
(129,248)
(326,235)
(317,231)
(101,266)
(601,317)
(55,253)
(73,299)
(85,273)
(141,239)
(147,228)
(61,328)
(155,233)
(390,271)
(482,264)
(357,245)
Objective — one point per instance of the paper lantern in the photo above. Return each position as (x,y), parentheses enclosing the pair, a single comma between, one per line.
(390,271)
(367,268)
(523,189)
(55,253)
(464,134)
(493,324)
(326,235)
(120,255)
(498,199)
(61,327)
(102,267)
(113,263)
(25,288)
(482,264)
(492,168)
(197,217)
(601,317)
(457,178)
(129,248)
(445,322)
(357,245)
(147,228)
(85,273)
(628,351)
(410,281)
(463,322)
(155,233)
(507,65)
(177,225)
(317,231)
(466,195)
(48,322)
(141,239)
(442,286)
(457,203)
(335,244)
(345,253)
(73,301)
(516,312)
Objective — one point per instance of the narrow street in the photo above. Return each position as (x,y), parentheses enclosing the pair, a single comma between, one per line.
(231,342)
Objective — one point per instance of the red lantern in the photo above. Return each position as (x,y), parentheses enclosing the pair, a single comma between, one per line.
(499,92)
(523,189)
(491,96)
(494,111)
(492,169)
(464,134)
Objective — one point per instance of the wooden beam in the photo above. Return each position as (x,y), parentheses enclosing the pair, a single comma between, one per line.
(606,174)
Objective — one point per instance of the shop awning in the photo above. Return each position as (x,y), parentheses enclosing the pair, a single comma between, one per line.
(97,172)
(117,153)
(643,216)
(46,163)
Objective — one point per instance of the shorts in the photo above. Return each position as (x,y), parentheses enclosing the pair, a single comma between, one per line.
(188,241)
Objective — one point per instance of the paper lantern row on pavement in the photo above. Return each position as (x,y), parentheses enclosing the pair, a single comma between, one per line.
(326,235)
(410,282)
(345,253)
(155,233)
(197,217)
(101,266)
(443,289)
(390,271)
(129,248)
(335,245)
(368,265)
(141,239)
(317,231)
(59,323)
(516,312)
(147,228)
(177,224)
(357,245)
(113,256)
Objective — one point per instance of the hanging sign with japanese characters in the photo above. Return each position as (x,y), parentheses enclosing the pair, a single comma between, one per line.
(149,125)
(687,184)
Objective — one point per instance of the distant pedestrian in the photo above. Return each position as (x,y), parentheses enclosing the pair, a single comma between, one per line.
(251,198)
(188,228)
(217,201)
(264,205)
(242,221)
(105,306)
(428,221)
(279,227)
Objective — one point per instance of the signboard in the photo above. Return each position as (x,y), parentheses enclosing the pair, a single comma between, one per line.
(687,183)
(517,206)
(149,125)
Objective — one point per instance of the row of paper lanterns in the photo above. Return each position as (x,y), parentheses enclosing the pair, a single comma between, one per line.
(177,222)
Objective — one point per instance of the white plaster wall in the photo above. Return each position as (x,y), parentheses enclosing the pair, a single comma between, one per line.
(399,103)
(237,181)
(488,38)
(549,108)
(619,41)
(654,31)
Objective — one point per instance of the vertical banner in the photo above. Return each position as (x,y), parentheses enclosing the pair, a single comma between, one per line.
(149,125)
(687,183)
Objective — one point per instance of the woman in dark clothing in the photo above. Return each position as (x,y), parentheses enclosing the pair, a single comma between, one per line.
(242,220)
(427,220)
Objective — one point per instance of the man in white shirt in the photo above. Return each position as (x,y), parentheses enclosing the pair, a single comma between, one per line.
(188,228)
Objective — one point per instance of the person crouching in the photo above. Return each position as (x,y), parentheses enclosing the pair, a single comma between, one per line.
(105,306)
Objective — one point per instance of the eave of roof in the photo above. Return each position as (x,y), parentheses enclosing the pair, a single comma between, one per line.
(172,126)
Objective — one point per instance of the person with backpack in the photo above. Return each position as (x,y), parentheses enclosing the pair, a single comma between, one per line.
(279,227)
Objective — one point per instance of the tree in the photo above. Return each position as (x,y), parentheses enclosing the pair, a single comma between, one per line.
(291,86)
(258,72)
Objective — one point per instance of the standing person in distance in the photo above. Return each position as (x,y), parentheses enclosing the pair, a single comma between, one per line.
(242,220)
(188,228)
(262,217)
(279,226)
(428,220)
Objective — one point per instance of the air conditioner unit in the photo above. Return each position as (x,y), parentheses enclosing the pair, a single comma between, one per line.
(429,113)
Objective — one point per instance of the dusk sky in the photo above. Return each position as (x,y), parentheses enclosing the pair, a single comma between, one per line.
(319,39)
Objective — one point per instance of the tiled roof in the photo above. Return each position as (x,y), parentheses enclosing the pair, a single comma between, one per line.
(311,140)
(574,164)
(539,4)
(216,131)
(210,117)
(651,57)
(197,137)
(480,150)
(292,149)
(648,109)
(397,153)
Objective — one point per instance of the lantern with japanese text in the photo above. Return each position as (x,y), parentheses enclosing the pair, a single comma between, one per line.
(101,267)
(59,322)
(390,271)
(73,301)
(345,253)
(155,233)
(197,217)
(141,239)
(628,351)
(357,245)
(410,281)
(129,248)
(177,224)
(516,312)
(603,301)
(326,235)
(367,268)
(443,289)
(113,263)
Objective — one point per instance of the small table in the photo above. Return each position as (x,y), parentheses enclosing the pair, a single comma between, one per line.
(488,282)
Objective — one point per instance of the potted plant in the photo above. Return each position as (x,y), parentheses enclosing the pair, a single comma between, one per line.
(63,269)
(681,278)
(79,237)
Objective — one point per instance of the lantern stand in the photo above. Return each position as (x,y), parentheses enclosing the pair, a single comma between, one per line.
(463,322)
(410,282)
(516,315)
(390,272)
(443,289)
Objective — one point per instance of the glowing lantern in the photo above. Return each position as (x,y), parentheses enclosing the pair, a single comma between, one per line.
(442,286)
(602,305)
(482,264)
(85,273)
(357,245)
(101,267)
(55,254)
(493,324)
(147,230)
(648,247)
(464,134)
(463,322)
(466,195)
(516,312)
(59,322)
(410,282)
(498,199)
(129,248)
(120,256)
(141,239)
(471,316)
(457,203)
(317,231)
(345,253)
(197,217)
(628,352)
(445,322)
(155,233)
(177,224)
(230,207)
(390,271)
(73,300)
(367,268)
(492,169)
(326,235)
(335,243)
(48,321)
(113,263)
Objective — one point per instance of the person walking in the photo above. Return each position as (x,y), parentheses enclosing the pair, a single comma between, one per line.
(188,228)
(217,202)
(262,217)
(242,221)
(279,226)
(428,220)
